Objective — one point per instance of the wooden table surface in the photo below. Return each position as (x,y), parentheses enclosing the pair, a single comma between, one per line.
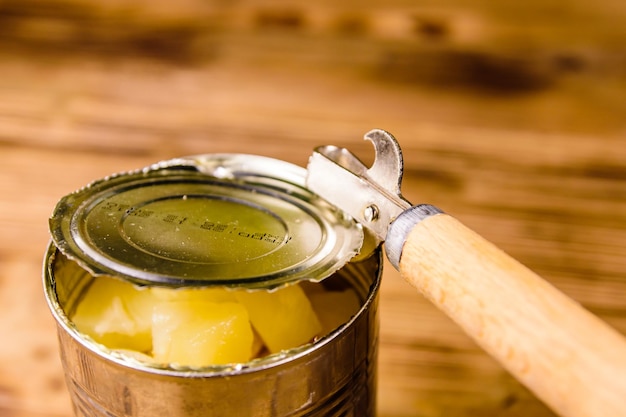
(511,119)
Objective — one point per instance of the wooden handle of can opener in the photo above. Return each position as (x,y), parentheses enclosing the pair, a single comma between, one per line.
(569,358)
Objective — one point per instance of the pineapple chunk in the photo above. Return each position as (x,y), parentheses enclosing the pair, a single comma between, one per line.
(258,346)
(116,314)
(200,333)
(201,327)
(216,295)
(284,318)
(334,308)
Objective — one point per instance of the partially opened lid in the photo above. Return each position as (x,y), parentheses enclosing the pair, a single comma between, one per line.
(226,219)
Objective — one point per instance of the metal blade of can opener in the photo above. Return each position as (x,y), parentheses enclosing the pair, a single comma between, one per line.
(371,195)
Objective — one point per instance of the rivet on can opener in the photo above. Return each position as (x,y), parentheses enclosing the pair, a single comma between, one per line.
(370,195)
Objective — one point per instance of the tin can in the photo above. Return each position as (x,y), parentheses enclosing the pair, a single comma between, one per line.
(213,220)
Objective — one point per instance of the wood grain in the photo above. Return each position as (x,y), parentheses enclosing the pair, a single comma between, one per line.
(568,357)
(510,119)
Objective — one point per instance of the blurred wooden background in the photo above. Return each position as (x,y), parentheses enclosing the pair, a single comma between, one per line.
(511,116)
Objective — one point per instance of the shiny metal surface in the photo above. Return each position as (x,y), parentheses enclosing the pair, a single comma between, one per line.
(374,196)
(402,226)
(334,376)
(219,219)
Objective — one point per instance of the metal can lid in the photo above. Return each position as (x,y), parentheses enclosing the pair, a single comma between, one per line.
(223,219)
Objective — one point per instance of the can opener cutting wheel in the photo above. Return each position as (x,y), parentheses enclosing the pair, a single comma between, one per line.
(572,360)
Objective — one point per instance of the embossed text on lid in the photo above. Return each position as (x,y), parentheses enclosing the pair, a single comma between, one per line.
(227,219)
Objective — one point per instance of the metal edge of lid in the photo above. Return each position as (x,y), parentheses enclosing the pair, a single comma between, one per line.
(340,237)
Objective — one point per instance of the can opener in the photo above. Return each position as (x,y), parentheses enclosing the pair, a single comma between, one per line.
(572,360)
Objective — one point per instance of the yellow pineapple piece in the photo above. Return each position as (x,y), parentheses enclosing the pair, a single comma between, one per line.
(217,295)
(334,308)
(200,327)
(258,346)
(284,318)
(116,314)
(199,333)
(134,355)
